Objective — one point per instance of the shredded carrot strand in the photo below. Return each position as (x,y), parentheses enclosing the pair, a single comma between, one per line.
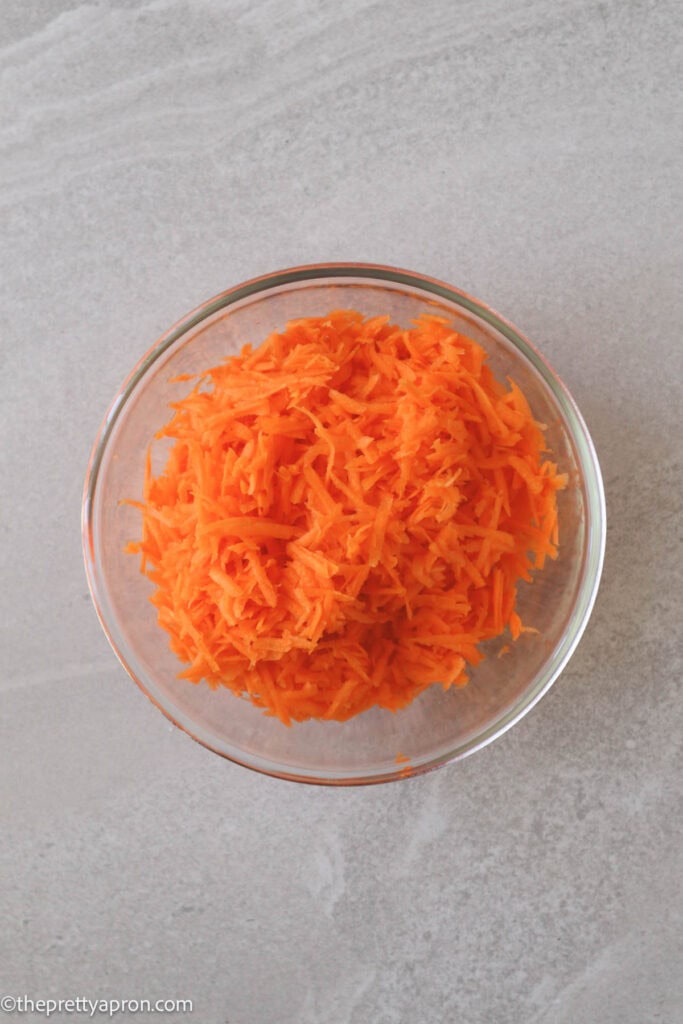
(345,516)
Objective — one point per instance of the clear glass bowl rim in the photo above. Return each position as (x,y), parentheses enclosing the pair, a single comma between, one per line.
(590,468)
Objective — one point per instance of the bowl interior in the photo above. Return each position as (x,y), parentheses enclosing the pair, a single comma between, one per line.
(438,726)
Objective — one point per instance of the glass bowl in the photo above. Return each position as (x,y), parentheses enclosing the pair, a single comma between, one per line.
(439,727)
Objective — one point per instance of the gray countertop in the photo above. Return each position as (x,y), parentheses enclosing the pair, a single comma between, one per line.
(151,155)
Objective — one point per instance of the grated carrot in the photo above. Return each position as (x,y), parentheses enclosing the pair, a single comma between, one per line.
(345,515)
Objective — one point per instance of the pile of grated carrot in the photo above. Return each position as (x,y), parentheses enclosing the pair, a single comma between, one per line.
(345,515)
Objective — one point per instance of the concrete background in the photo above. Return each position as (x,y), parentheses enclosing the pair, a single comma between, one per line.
(151,155)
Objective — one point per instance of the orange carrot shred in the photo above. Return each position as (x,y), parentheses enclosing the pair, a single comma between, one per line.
(345,515)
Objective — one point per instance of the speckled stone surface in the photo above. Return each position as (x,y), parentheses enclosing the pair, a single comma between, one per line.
(152,154)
